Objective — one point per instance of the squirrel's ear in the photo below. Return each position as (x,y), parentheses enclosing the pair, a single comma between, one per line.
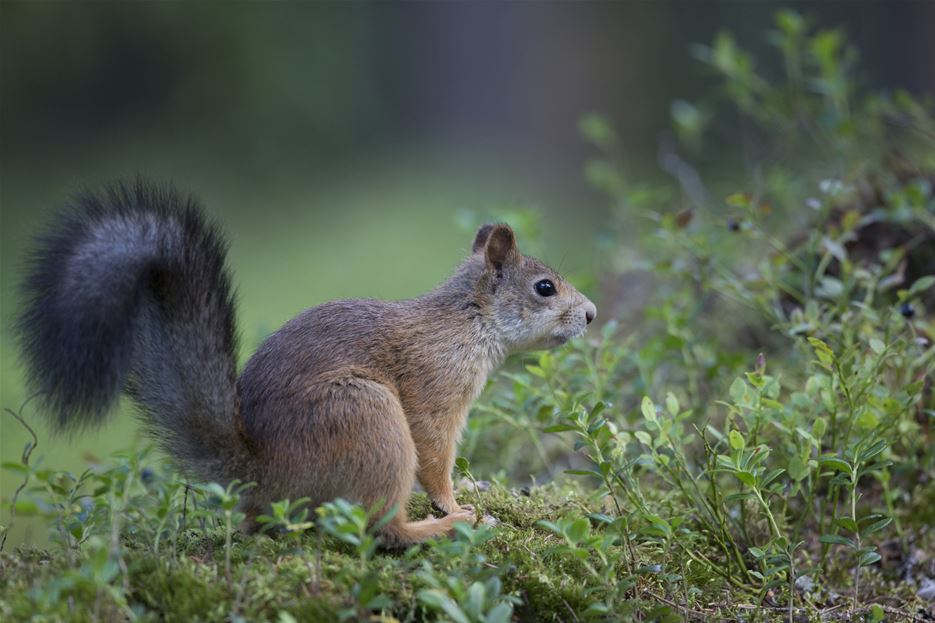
(480,240)
(501,249)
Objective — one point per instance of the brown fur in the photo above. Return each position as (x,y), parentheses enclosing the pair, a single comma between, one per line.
(358,399)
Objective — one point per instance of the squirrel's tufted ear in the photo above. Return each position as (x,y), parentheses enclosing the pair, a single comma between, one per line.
(500,249)
(480,239)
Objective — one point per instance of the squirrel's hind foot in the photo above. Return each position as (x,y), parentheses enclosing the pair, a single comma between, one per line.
(400,533)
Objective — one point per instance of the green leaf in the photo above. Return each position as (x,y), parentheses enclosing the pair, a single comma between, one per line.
(559,428)
(738,391)
(769,403)
(579,529)
(437,600)
(660,524)
(868,420)
(868,558)
(847,523)
(755,379)
(501,613)
(922,284)
(476,597)
(819,428)
(596,425)
(877,526)
(771,476)
(829,287)
(596,608)
(833,462)
(746,478)
(601,518)
(26,507)
(822,351)
(216,489)
(648,409)
(644,437)
(877,346)
(726,462)
(873,450)
(797,469)
(15,467)
(583,472)
(736,440)
(837,539)
(775,569)
(672,404)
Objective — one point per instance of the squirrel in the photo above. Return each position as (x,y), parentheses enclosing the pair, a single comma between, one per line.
(127,291)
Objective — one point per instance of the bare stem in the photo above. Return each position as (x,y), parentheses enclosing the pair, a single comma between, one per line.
(24,459)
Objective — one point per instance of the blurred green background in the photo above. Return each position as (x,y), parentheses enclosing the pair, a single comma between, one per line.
(340,145)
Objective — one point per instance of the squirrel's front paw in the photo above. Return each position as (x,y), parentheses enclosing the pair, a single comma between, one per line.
(446,507)
(453,508)
(465,513)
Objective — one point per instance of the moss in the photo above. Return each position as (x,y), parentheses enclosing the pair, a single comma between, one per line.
(313,578)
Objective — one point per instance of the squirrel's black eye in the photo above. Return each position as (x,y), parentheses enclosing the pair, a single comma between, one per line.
(545,288)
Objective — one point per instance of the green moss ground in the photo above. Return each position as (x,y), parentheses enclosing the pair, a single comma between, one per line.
(312,579)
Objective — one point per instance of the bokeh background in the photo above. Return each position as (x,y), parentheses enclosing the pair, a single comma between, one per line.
(348,147)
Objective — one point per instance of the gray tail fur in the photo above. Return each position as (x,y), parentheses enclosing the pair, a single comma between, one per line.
(127,290)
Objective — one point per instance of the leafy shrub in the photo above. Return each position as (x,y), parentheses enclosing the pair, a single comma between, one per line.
(750,436)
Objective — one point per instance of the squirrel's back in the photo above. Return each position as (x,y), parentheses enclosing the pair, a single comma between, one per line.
(424,349)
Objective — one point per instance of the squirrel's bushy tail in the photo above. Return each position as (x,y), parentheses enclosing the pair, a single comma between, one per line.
(128,291)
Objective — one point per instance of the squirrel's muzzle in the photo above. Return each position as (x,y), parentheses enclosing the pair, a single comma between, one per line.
(590,312)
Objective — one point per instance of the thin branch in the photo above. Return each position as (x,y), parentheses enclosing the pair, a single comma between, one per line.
(24,459)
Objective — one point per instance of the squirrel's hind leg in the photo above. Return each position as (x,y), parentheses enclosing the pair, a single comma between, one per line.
(401,533)
(360,448)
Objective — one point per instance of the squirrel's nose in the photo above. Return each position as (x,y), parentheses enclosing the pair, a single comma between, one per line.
(590,311)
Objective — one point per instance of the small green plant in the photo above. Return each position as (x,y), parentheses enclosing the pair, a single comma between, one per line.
(479,602)
(352,525)
(463,586)
(595,552)
(225,500)
(288,518)
(750,439)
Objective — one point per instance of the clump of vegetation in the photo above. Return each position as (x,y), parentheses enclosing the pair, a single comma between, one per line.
(758,447)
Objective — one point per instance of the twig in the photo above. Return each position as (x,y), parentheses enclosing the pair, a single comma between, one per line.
(24,459)
(704,615)
(184,524)
(571,610)
(826,613)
